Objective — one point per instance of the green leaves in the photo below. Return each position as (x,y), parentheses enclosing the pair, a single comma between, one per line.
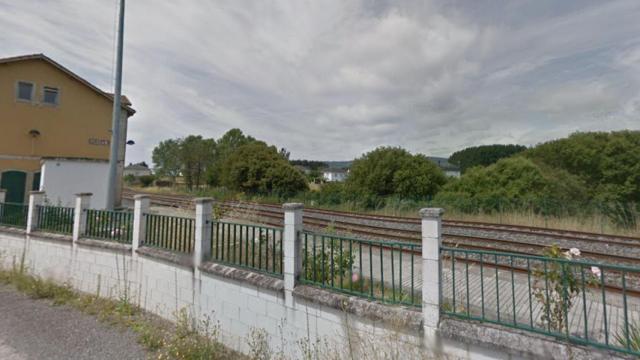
(483,155)
(394,171)
(256,168)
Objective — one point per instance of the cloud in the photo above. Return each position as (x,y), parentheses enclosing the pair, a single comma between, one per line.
(331,79)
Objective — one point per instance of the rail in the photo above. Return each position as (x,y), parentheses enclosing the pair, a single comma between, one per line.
(254,247)
(14,215)
(557,296)
(56,219)
(109,225)
(169,232)
(377,270)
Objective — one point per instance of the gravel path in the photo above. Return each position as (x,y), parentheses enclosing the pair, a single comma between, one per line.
(34,329)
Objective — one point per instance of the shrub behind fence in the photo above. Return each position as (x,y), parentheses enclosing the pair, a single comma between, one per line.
(379,270)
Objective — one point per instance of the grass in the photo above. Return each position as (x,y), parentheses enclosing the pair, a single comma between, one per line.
(185,340)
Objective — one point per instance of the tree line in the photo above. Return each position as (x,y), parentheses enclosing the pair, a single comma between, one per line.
(236,161)
(585,168)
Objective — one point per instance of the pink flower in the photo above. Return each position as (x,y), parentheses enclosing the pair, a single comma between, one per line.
(596,271)
(355,278)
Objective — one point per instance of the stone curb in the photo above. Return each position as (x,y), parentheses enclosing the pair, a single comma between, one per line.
(400,316)
(179,259)
(246,276)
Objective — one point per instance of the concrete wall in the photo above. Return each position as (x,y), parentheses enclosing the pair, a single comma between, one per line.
(62,179)
(241,302)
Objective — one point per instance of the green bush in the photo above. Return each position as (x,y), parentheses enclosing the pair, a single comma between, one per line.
(258,169)
(146,180)
(388,171)
(512,184)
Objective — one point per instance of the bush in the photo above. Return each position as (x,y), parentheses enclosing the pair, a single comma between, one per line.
(146,180)
(130,179)
(258,169)
(516,182)
(388,171)
(164,183)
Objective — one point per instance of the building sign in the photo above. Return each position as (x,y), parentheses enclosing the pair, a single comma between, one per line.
(99,142)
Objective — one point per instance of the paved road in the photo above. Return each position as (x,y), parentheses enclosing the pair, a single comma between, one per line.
(33,329)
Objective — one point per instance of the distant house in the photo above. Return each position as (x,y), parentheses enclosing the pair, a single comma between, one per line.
(137,170)
(448,168)
(335,174)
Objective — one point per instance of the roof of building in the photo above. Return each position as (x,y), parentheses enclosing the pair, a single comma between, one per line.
(336,171)
(136,167)
(126,104)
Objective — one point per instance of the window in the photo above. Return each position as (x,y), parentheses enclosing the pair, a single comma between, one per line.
(25,91)
(50,95)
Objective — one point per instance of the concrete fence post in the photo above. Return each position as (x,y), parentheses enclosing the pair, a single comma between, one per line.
(293,213)
(202,248)
(83,200)
(3,195)
(36,198)
(431,242)
(140,207)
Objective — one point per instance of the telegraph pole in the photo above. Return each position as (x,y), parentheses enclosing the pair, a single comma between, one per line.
(117,110)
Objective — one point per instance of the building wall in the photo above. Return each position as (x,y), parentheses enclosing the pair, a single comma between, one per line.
(137,172)
(78,127)
(62,179)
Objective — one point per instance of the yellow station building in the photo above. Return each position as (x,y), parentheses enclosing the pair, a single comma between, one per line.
(48,112)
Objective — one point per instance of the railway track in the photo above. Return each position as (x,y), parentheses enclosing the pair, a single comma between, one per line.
(493,236)
(407,229)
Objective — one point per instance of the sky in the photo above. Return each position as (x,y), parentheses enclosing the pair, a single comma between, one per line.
(332,79)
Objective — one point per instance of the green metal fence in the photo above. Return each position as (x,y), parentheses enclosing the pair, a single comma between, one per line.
(170,232)
(14,215)
(378,270)
(109,225)
(250,246)
(578,301)
(57,219)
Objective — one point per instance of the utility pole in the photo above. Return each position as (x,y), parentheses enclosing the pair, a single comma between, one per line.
(117,110)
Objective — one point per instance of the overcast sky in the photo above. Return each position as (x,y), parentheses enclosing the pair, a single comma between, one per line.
(331,79)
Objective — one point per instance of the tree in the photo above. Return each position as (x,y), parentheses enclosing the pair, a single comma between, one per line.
(394,171)
(196,155)
(608,162)
(483,155)
(166,159)
(225,146)
(256,168)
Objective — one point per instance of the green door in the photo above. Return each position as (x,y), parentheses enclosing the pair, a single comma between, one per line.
(14,182)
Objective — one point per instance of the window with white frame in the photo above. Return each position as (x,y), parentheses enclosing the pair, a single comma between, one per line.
(50,95)
(25,91)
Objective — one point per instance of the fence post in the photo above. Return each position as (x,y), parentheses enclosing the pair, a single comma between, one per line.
(80,215)
(140,207)
(36,198)
(3,195)
(202,248)
(431,242)
(292,256)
